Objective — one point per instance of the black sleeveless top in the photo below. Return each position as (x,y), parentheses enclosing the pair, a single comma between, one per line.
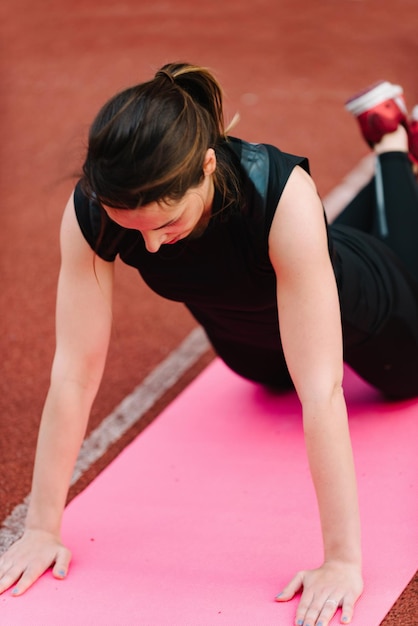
(224,277)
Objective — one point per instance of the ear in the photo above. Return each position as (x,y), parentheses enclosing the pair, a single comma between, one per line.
(209,163)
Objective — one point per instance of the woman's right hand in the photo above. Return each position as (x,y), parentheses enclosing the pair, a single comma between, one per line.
(27,559)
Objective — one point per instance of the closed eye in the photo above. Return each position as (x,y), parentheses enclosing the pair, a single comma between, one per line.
(170,223)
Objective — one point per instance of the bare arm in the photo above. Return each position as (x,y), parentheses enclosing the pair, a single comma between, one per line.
(310,328)
(83,324)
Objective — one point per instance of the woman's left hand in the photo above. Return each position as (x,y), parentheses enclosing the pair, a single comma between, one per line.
(334,584)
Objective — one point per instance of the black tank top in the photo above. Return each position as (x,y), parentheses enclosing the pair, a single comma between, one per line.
(226,280)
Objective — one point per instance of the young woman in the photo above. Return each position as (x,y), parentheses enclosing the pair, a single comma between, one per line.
(237,232)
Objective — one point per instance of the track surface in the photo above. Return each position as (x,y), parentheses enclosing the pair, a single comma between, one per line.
(286,67)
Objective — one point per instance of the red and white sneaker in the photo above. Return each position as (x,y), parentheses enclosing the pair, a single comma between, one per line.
(379,110)
(413,135)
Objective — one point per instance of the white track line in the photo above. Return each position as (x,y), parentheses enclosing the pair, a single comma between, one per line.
(165,375)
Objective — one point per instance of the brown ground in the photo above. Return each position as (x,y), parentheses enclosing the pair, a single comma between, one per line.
(286,66)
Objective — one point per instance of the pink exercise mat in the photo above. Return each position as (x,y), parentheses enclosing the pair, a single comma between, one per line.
(209,512)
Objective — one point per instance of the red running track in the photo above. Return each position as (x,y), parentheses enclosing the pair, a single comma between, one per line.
(286,67)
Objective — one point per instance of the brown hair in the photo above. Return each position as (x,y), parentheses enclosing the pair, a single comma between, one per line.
(148,142)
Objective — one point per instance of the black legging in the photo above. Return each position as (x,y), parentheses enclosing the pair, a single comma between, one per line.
(377,274)
(401,203)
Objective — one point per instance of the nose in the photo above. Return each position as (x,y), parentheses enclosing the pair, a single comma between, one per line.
(153,240)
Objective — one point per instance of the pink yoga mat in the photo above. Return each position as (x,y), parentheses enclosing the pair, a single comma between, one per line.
(210,511)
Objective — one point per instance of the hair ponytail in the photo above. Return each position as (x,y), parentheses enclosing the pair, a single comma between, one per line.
(201,86)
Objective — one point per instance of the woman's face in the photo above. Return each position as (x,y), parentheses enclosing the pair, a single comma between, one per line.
(167,222)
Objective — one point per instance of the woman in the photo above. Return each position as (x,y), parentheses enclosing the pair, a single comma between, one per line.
(237,232)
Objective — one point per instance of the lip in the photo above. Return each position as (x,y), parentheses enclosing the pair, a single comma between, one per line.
(172,241)
(176,239)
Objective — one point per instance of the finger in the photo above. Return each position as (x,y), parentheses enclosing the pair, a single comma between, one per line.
(310,609)
(327,612)
(30,574)
(26,580)
(347,611)
(62,563)
(10,572)
(8,579)
(293,587)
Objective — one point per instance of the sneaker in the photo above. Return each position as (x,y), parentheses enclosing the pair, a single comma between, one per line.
(413,135)
(379,110)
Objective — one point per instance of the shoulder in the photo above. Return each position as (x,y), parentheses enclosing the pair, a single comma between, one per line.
(267,158)
(266,166)
(103,235)
(266,170)
(299,229)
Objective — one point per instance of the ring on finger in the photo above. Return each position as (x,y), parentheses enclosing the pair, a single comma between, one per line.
(330,601)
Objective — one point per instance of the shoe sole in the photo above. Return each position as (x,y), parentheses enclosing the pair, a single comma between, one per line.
(374,96)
